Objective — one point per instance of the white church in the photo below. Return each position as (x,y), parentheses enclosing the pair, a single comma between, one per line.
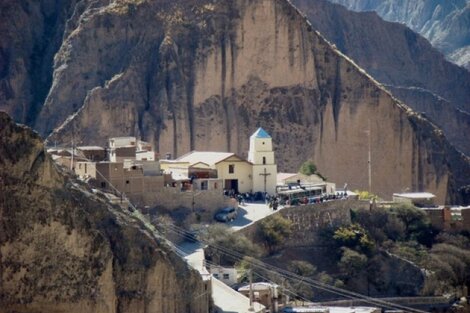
(256,174)
(261,156)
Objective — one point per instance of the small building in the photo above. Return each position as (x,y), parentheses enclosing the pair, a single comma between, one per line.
(65,157)
(265,293)
(129,148)
(120,154)
(234,171)
(449,218)
(331,309)
(118,142)
(298,178)
(207,184)
(93,153)
(144,155)
(228,275)
(418,199)
(129,178)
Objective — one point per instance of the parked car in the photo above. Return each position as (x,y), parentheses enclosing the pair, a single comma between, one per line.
(226,214)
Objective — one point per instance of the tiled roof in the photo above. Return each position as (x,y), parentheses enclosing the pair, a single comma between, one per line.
(261,133)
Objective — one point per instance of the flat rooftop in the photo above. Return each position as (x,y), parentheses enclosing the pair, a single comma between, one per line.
(90,148)
(415,195)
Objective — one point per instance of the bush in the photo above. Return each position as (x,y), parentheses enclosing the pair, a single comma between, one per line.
(274,230)
(221,236)
(355,237)
(352,262)
(302,268)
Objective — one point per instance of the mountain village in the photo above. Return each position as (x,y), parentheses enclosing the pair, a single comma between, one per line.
(131,174)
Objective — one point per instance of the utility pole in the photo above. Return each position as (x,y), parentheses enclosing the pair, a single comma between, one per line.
(73,146)
(369,158)
(251,309)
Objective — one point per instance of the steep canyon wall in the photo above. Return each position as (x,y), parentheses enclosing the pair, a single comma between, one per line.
(204,75)
(64,249)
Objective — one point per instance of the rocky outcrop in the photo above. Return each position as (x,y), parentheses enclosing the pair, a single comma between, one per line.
(444,23)
(65,249)
(205,76)
(405,62)
(31,33)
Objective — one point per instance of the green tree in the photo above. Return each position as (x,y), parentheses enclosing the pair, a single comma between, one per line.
(274,230)
(306,270)
(218,235)
(417,225)
(302,268)
(308,168)
(365,195)
(352,262)
(355,237)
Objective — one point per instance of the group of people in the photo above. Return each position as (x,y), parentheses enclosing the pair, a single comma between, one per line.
(273,201)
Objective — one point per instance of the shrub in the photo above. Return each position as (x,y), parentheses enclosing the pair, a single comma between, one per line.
(274,230)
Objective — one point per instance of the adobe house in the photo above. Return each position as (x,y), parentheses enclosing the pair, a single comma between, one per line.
(93,153)
(234,171)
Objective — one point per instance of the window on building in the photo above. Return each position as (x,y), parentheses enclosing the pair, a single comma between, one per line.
(79,166)
(231,168)
(263,142)
(85,168)
(103,184)
(127,182)
(204,185)
(215,185)
(216,275)
(264,160)
(226,276)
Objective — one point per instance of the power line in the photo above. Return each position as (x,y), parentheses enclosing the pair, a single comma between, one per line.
(257,263)
(290,275)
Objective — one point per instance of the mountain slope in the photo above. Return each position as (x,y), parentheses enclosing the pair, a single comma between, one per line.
(31,33)
(445,24)
(64,249)
(405,62)
(203,75)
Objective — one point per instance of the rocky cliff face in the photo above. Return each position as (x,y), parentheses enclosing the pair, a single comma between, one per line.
(31,33)
(202,75)
(205,76)
(405,62)
(64,249)
(444,23)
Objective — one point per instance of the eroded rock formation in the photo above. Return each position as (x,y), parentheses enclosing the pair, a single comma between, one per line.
(65,249)
(444,23)
(204,75)
(405,62)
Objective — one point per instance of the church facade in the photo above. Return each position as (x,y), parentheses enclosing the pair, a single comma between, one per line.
(257,174)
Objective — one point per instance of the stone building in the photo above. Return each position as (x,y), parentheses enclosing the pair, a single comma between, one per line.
(93,153)
(449,218)
(133,179)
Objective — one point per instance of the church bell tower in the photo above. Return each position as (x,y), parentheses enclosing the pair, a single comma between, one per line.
(261,155)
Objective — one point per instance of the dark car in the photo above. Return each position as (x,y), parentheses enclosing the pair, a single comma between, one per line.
(226,214)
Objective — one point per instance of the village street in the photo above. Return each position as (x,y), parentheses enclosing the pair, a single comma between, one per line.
(247,215)
(250,213)
(225,298)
